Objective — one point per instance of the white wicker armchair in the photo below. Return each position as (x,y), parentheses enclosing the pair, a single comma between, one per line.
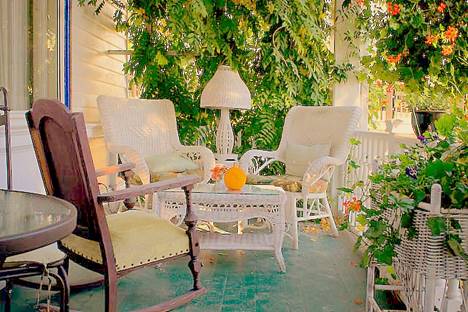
(135,129)
(309,126)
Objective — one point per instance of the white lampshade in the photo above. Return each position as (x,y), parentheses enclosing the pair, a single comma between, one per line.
(226,90)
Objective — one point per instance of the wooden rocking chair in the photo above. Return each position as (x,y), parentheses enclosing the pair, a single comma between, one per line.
(110,245)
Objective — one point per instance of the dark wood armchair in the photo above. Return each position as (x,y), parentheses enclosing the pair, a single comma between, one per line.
(111,245)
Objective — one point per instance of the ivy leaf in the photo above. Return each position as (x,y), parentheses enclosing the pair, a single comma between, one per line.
(438,169)
(161,60)
(376,229)
(419,196)
(354,141)
(406,220)
(436,225)
(455,224)
(445,124)
(346,3)
(361,219)
(455,247)
(386,255)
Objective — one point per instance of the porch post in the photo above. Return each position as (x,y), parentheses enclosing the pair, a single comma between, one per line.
(350,92)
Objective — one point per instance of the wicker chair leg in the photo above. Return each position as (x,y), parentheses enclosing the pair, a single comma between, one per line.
(291,212)
(334,231)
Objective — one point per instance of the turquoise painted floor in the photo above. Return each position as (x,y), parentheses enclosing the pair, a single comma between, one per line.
(321,276)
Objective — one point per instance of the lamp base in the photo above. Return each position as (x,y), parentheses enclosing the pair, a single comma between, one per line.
(225,135)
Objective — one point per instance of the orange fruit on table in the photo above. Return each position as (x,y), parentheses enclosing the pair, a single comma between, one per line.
(235,178)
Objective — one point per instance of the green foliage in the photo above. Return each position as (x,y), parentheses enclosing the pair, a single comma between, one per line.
(421,43)
(405,180)
(278,47)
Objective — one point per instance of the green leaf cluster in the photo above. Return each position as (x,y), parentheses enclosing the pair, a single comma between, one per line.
(405,180)
(422,44)
(280,49)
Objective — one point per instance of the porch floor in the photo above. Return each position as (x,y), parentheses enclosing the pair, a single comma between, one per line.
(322,275)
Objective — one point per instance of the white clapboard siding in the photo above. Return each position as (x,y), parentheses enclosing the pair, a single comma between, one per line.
(93,70)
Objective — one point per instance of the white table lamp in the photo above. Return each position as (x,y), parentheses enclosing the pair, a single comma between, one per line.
(225,91)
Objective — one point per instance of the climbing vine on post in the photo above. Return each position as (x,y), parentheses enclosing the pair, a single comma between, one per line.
(279,48)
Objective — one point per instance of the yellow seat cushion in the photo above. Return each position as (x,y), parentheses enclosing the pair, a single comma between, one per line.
(289,183)
(137,238)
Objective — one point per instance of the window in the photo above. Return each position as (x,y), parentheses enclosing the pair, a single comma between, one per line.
(30,50)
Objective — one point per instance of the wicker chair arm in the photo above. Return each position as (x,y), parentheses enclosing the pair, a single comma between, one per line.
(202,155)
(129,155)
(150,188)
(321,168)
(254,161)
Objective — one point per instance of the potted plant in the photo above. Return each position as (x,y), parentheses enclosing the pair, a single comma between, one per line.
(404,181)
(426,108)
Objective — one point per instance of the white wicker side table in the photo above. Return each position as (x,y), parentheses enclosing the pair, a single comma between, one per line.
(216,204)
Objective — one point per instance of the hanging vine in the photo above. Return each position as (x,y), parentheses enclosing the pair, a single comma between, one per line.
(279,48)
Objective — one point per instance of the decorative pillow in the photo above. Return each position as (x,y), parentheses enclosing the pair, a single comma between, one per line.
(172,162)
(167,166)
(298,157)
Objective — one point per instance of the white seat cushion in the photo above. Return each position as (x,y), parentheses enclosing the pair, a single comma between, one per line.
(298,157)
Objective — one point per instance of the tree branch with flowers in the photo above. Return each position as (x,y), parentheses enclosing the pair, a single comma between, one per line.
(421,43)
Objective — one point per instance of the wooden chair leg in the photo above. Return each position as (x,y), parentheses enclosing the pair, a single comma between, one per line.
(194,245)
(110,280)
(8,293)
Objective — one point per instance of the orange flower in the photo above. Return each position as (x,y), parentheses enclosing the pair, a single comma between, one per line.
(441,7)
(451,34)
(360,2)
(389,88)
(352,205)
(217,172)
(393,9)
(378,83)
(447,50)
(431,39)
(394,59)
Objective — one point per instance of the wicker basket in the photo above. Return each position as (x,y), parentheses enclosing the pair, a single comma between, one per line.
(425,253)
(421,260)
(428,254)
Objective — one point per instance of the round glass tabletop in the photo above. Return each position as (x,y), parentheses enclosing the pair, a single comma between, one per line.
(29,221)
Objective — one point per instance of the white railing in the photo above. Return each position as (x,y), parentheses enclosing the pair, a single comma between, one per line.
(375,146)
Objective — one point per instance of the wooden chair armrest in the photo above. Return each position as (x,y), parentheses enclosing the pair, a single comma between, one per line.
(148,188)
(114,169)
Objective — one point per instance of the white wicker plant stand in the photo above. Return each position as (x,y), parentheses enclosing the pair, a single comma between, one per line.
(424,263)
(216,204)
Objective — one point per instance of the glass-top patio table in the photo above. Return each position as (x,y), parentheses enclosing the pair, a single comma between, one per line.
(214,203)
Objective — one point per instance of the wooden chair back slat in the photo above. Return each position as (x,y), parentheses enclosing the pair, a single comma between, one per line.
(62,149)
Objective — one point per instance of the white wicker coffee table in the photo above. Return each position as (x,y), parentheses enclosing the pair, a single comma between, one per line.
(216,204)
